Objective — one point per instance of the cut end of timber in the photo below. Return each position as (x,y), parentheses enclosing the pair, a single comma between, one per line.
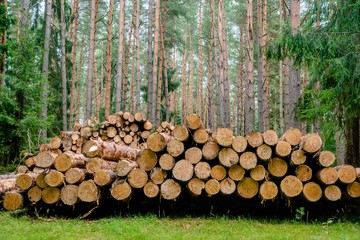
(312,143)
(170,189)
(13,201)
(224,137)
(268,190)
(193,121)
(312,192)
(247,188)
(291,186)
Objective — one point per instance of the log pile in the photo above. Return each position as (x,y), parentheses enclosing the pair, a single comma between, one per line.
(178,159)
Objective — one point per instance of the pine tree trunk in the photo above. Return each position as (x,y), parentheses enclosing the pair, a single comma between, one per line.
(78,74)
(119,77)
(295,71)
(183,88)
(201,65)
(150,60)
(250,101)
(137,52)
(210,92)
(3,4)
(152,117)
(190,91)
(266,71)
(73,62)
(45,66)
(239,89)
(90,72)
(63,66)
(108,60)
(260,72)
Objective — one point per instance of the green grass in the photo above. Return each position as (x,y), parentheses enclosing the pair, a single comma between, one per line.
(21,226)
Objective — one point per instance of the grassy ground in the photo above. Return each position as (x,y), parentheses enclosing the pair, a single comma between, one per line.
(21,226)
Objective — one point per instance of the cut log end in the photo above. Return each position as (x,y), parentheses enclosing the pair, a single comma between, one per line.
(183,170)
(156,142)
(170,189)
(248,160)
(283,149)
(69,195)
(236,172)
(228,157)
(298,157)
(50,195)
(258,173)
(239,144)
(151,190)
(227,186)
(202,170)
(326,158)
(270,137)
(255,139)
(13,201)
(181,133)
(353,189)
(196,186)
(328,175)
(312,192)
(193,121)
(277,167)
(137,178)
(332,193)
(88,191)
(264,152)
(212,187)
(34,194)
(193,155)
(268,190)
(347,173)
(121,190)
(312,143)
(147,159)
(175,148)
(167,162)
(291,186)
(218,172)
(247,188)
(54,178)
(224,137)
(303,172)
(201,136)
(210,150)
(293,136)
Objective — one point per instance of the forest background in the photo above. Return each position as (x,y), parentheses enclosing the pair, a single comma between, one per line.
(242,64)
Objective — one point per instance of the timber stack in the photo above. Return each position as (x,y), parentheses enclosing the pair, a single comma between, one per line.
(99,161)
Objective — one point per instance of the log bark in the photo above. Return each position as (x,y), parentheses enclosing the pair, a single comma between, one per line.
(69,160)
(202,170)
(212,187)
(104,177)
(268,190)
(183,170)
(236,172)
(6,185)
(54,178)
(69,194)
(297,157)
(326,158)
(181,133)
(332,193)
(196,186)
(255,139)
(291,186)
(283,149)
(151,190)
(228,157)
(13,201)
(239,144)
(227,186)
(224,137)
(247,188)
(270,137)
(210,150)
(312,192)
(328,175)
(170,189)
(277,167)
(312,143)
(121,190)
(346,173)
(34,194)
(303,172)
(95,164)
(75,175)
(175,148)
(167,162)
(50,195)
(218,172)
(258,173)
(264,152)
(248,160)
(88,191)
(147,159)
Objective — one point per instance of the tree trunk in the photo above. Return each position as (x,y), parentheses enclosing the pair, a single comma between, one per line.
(210,92)
(260,72)
(183,88)
(63,66)
(137,56)
(199,101)
(90,73)
(79,73)
(250,101)
(108,60)
(150,60)
(295,71)
(3,4)
(73,62)
(119,77)
(239,89)
(45,66)
(266,71)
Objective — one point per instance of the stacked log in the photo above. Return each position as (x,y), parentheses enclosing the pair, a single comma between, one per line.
(186,158)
